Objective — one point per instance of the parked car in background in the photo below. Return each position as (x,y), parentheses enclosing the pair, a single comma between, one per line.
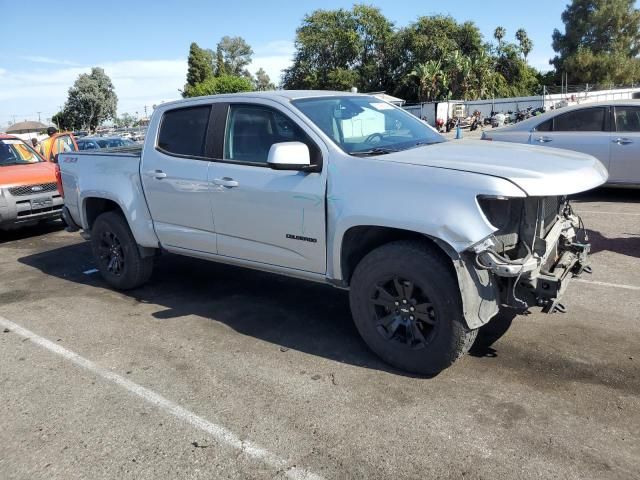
(28,185)
(432,238)
(57,143)
(97,143)
(610,131)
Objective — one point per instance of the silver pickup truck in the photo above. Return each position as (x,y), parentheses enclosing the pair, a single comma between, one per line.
(431,238)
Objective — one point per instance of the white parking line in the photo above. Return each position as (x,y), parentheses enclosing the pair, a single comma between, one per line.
(608,213)
(218,432)
(606,284)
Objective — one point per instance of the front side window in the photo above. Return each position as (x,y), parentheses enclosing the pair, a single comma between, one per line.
(364,124)
(183,131)
(628,119)
(252,130)
(584,120)
(545,126)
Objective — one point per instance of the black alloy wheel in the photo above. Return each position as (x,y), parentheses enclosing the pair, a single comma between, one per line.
(403,312)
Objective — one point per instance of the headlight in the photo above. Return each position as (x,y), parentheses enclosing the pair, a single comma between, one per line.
(500,211)
(505,214)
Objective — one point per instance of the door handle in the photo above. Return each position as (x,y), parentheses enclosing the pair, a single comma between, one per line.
(157,174)
(543,140)
(225,182)
(622,141)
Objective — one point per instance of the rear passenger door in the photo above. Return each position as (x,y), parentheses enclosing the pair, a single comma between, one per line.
(273,217)
(174,176)
(584,130)
(625,146)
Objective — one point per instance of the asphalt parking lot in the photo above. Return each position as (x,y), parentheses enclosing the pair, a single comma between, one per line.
(212,371)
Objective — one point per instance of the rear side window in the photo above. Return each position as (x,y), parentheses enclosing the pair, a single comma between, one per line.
(183,131)
(584,120)
(628,119)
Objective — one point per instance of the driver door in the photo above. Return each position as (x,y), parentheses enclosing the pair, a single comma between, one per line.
(274,217)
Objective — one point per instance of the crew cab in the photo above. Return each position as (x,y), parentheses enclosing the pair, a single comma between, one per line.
(28,185)
(431,238)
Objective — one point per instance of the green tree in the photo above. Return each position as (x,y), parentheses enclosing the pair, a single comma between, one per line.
(92,100)
(262,81)
(62,121)
(339,49)
(499,33)
(233,54)
(520,79)
(433,38)
(601,42)
(219,85)
(199,65)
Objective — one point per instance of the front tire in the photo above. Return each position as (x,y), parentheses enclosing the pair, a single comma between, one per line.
(116,253)
(406,303)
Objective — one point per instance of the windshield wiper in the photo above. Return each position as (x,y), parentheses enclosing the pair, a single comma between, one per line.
(374,151)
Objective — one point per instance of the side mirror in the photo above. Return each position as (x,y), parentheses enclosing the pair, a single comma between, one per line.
(289,156)
(55,158)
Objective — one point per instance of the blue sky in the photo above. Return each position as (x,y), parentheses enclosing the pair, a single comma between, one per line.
(143,45)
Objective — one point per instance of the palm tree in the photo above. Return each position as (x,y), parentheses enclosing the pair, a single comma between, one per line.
(429,78)
(526,45)
(466,77)
(499,33)
(483,75)
(453,66)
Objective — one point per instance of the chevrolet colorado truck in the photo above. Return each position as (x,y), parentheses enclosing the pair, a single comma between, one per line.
(28,185)
(431,238)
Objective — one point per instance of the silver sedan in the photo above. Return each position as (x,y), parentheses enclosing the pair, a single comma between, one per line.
(610,131)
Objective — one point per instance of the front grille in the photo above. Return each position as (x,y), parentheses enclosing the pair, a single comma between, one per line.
(32,189)
(550,211)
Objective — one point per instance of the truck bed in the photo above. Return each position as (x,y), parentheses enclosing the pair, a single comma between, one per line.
(113,175)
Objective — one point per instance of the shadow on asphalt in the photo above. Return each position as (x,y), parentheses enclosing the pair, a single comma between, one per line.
(629,246)
(491,333)
(290,313)
(307,317)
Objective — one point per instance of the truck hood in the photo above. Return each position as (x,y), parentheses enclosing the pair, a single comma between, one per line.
(15,175)
(539,171)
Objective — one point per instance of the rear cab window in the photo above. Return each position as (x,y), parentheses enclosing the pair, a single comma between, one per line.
(183,131)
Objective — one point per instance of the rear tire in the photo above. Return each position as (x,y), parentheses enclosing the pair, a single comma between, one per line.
(406,303)
(116,253)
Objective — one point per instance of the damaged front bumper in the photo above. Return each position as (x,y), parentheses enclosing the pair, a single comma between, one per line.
(540,279)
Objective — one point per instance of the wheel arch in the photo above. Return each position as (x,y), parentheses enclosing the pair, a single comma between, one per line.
(94,206)
(478,288)
(359,240)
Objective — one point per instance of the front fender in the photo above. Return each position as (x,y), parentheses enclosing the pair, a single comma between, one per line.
(440,204)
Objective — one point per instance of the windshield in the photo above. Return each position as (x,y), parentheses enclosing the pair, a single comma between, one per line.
(16,152)
(366,125)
